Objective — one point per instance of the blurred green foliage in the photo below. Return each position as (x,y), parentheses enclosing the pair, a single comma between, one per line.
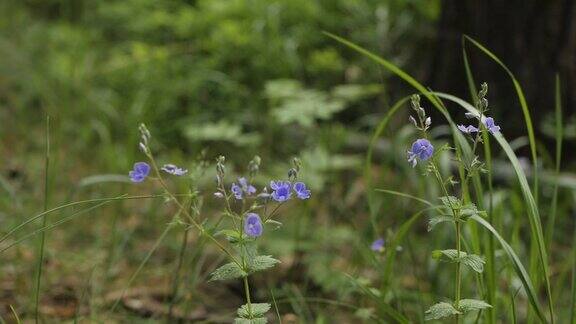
(196,71)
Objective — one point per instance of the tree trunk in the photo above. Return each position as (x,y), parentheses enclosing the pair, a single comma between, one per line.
(534,38)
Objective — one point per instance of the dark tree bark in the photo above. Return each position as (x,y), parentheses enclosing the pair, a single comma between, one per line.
(534,38)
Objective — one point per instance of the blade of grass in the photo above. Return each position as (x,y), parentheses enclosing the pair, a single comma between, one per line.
(489,251)
(533,213)
(53,225)
(405,195)
(44,220)
(15,315)
(517,265)
(462,146)
(368,163)
(523,105)
(169,226)
(35,217)
(559,136)
(573,288)
(275,306)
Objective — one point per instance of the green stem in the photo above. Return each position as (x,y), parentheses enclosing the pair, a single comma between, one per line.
(44,220)
(458,277)
(199,227)
(176,279)
(247,291)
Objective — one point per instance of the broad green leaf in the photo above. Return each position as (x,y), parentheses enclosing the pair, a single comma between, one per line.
(255,310)
(228,271)
(262,262)
(440,310)
(449,255)
(451,202)
(469,210)
(435,220)
(474,261)
(470,305)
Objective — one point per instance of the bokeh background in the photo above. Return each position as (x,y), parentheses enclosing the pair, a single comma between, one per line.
(246,77)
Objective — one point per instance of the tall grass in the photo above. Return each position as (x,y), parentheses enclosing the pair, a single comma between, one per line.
(530,195)
(44,222)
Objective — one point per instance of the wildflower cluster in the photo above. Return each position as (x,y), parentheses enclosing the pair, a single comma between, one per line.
(249,211)
(452,209)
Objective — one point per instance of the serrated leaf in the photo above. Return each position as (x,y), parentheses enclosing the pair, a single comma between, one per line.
(451,202)
(468,210)
(262,262)
(475,262)
(255,310)
(449,255)
(260,320)
(435,220)
(469,305)
(440,310)
(228,271)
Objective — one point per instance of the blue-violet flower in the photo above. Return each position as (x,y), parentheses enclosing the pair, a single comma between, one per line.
(172,169)
(243,188)
(282,190)
(467,129)
(301,191)
(492,127)
(421,149)
(377,245)
(140,172)
(253,225)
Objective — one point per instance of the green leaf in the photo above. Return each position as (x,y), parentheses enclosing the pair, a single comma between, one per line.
(255,310)
(440,310)
(468,210)
(518,267)
(470,305)
(474,261)
(262,262)
(451,202)
(435,220)
(449,255)
(260,320)
(228,271)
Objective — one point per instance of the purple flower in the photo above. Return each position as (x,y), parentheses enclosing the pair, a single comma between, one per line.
(246,187)
(243,188)
(301,191)
(140,172)
(282,190)
(172,169)
(492,127)
(421,149)
(253,225)
(377,245)
(467,129)
(237,191)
